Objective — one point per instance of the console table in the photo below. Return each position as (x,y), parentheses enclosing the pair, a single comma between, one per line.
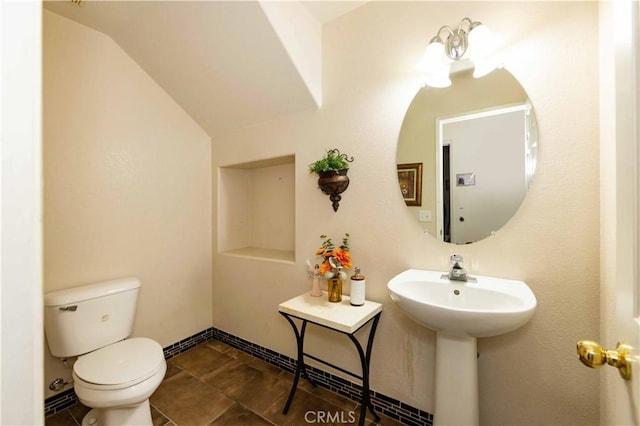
(341,317)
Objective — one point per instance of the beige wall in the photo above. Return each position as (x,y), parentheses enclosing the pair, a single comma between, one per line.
(527,377)
(127,185)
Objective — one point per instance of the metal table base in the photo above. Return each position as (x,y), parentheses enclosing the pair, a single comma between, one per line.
(365,360)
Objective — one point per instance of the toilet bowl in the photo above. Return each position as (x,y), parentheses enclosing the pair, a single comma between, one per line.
(114,375)
(118,380)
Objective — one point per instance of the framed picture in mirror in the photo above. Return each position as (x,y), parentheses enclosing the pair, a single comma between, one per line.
(410,178)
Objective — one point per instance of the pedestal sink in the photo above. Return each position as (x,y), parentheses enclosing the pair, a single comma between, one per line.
(460,312)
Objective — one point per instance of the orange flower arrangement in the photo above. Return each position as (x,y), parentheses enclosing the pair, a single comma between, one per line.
(334,259)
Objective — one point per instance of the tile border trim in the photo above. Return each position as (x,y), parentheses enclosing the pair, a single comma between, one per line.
(59,402)
(386,405)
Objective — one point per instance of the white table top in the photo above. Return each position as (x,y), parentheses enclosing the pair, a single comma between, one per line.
(341,316)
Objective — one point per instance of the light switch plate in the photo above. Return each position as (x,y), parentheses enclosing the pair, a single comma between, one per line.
(424,216)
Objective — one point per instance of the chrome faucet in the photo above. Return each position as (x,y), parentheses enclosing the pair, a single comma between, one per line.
(457,271)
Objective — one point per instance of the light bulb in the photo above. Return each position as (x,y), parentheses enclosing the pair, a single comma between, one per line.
(482,47)
(435,65)
(433,56)
(438,76)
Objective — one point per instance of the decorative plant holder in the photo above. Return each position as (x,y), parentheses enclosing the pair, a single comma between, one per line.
(333,183)
(332,175)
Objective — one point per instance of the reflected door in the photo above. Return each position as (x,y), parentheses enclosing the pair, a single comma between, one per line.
(486,171)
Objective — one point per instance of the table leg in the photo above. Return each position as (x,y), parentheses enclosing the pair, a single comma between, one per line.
(365,360)
(300,368)
(372,334)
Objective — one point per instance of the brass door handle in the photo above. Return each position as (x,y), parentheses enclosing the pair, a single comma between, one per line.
(593,355)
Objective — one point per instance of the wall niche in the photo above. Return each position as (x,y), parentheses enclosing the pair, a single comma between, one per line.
(257,209)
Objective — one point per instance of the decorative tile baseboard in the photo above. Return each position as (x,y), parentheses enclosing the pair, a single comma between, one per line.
(188,343)
(59,402)
(391,407)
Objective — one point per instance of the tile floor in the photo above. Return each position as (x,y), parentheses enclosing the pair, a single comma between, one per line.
(215,384)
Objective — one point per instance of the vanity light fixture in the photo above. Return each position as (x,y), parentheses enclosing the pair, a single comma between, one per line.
(471,39)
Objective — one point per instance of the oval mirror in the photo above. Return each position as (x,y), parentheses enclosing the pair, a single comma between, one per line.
(467,154)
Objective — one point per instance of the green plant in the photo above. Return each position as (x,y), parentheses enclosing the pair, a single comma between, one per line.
(333,160)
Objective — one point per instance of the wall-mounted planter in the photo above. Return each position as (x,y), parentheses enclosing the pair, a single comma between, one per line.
(333,183)
(332,174)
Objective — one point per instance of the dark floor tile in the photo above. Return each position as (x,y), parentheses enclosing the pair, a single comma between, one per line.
(307,409)
(265,366)
(157,418)
(251,387)
(61,418)
(200,360)
(229,351)
(185,400)
(78,412)
(321,392)
(217,344)
(238,415)
(334,398)
(172,369)
(384,420)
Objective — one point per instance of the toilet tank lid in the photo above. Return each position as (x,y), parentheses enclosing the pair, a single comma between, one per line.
(91,291)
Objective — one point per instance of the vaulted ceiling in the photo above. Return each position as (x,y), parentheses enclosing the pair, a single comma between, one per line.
(226,63)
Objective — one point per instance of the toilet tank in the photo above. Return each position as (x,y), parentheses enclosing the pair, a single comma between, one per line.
(82,319)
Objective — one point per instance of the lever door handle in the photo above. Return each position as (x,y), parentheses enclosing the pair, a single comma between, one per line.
(593,355)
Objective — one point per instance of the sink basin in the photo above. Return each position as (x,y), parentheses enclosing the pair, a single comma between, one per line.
(488,307)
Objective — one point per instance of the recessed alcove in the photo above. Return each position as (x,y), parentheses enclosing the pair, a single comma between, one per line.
(257,209)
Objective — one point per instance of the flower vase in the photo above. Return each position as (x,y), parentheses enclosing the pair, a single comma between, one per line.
(334,287)
(316,291)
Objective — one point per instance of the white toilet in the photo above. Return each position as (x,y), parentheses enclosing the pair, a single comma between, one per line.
(113,375)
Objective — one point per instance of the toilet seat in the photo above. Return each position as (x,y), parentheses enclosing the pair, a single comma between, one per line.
(120,365)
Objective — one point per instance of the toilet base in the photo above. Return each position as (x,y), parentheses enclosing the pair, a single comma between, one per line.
(130,415)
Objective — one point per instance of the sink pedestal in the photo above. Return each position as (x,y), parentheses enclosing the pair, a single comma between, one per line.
(456,382)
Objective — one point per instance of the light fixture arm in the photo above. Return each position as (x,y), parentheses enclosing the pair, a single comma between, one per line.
(455,40)
(445,28)
(450,44)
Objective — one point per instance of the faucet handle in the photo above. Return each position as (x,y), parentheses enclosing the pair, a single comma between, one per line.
(456,258)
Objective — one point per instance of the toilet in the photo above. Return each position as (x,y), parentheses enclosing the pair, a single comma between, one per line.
(113,375)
